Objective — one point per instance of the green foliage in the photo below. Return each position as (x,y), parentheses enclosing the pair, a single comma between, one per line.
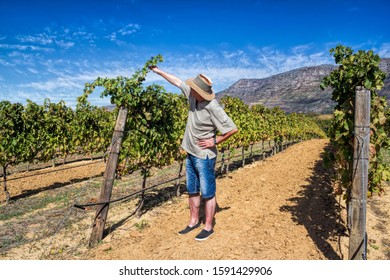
(240,113)
(124,92)
(92,128)
(19,135)
(357,69)
(12,149)
(323,121)
(153,132)
(57,130)
(155,128)
(154,125)
(140,226)
(260,123)
(42,132)
(34,123)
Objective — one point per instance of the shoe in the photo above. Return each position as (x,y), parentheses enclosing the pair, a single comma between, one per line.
(204,234)
(188,229)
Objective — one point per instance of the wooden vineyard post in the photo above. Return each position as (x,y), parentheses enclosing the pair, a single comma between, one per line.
(145,174)
(243,156)
(228,161)
(274,148)
(7,195)
(108,180)
(262,149)
(222,161)
(178,178)
(358,200)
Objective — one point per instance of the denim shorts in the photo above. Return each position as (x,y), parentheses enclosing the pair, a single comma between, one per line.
(200,176)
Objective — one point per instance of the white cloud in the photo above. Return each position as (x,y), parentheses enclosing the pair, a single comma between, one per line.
(112,37)
(226,67)
(53,85)
(82,35)
(65,45)
(42,39)
(275,61)
(122,32)
(6,63)
(59,78)
(52,39)
(20,47)
(384,50)
(301,49)
(129,29)
(233,54)
(32,70)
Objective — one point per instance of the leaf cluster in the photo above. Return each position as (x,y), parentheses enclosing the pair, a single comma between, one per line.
(357,69)
(258,123)
(155,121)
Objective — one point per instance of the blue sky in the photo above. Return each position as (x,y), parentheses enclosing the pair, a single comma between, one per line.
(50,49)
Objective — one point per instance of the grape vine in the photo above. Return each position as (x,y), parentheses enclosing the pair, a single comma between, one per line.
(357,69)
(153,131)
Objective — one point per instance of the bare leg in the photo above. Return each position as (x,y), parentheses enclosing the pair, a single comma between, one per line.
(210,212)
(194,203)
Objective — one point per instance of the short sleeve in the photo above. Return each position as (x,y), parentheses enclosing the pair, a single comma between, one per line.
(220,119)
(186,89)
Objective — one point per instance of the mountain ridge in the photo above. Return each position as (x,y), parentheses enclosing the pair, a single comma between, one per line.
(297,90)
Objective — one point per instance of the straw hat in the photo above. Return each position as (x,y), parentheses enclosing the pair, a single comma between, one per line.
(202,85)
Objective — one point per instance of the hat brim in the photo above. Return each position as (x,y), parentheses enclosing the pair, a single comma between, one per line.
(207,96)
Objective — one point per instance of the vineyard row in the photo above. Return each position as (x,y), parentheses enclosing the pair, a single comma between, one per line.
(33,132)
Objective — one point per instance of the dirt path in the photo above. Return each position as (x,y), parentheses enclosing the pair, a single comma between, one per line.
(26,184)
(282,208)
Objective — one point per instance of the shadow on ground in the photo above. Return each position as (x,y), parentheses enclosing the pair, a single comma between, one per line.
(56,185)
(156,197)
(317,208)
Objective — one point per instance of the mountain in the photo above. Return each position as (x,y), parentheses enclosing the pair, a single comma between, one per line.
(294,91)
(385,91)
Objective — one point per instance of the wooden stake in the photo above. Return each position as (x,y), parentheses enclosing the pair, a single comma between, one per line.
(222,161)
(145,174)
(243,156)
(108,181)
(358,201)
(262,148)
(228,161)
(7,195)
(178,178)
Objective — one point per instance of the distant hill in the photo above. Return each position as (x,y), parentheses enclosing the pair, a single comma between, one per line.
(294,91)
